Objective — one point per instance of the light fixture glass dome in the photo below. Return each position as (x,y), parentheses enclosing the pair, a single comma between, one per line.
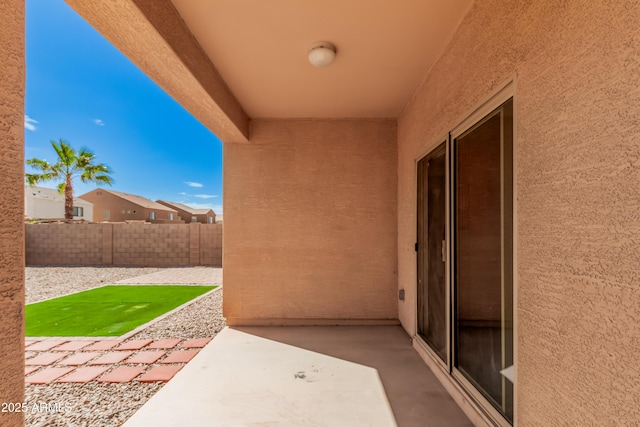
(322,54)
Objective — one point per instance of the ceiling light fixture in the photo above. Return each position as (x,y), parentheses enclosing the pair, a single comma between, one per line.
(322,54)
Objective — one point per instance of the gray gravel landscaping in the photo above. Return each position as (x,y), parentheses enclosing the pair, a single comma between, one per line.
(201,319)
(100,404)
(87,405)
(51,282)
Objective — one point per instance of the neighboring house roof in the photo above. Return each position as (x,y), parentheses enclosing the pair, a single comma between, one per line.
(138,200)
(186,208)
(51,194)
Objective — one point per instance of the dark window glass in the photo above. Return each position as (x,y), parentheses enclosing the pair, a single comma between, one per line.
(431,246)
(483,300)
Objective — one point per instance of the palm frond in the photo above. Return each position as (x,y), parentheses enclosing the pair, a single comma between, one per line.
(58,169)
(70,163)
(84,158)
(36,178)
(61,187)
(42,165)
(99,173)
(65,152)
(57,148)
(104,179)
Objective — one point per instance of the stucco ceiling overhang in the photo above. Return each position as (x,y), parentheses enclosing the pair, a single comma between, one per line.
(230,61)
(384,50)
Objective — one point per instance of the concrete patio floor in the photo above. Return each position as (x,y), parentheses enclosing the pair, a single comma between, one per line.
(304,376)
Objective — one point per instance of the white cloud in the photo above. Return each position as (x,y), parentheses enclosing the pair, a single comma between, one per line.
(182,193)
(98,122)
(205,196)
(29,123)
(194,184)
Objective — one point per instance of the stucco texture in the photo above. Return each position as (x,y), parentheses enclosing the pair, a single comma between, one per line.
(310,222)
(12,86)
(577,105)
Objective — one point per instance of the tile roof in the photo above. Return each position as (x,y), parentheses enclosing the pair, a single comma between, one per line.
(186,208)
(139,200)
(50,194)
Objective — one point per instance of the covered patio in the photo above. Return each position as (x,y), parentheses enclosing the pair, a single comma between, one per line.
(304,376)
(520,117)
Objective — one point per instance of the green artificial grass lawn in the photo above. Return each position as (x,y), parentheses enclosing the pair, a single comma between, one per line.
(106,311)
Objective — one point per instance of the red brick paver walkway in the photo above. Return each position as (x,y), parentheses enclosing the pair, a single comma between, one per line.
(168,343)
(47,375)
(79,358)
(103,345)
(182,356)
(84,375)
(72,345)
(146,357)
(134,344)
(111,358)
(30,369)
(196,343)
(122,374)
(42,345)
(83,361)
(160,373)
(44,359)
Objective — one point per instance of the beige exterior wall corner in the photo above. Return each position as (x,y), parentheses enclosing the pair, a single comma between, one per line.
(12,91)
(310,221)
(152,34)
(577,103)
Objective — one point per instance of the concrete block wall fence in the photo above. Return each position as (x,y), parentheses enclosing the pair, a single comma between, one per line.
(155,245)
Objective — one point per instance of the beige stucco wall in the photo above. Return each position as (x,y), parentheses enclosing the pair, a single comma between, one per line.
(577,109)
(105,201)
(310,221)
(12,86)
(46,203)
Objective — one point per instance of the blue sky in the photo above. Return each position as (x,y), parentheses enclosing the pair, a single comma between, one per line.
(80,88)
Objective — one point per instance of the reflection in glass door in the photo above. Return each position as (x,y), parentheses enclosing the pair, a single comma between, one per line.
(483,289)
(432,314)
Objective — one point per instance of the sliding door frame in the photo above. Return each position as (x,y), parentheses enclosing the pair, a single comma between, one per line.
(481,405)
(446,364)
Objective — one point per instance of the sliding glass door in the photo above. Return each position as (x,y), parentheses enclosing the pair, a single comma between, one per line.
(432,304)
(483,289)
(465,293)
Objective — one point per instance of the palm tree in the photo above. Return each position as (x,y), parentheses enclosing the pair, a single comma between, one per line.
(70,164)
